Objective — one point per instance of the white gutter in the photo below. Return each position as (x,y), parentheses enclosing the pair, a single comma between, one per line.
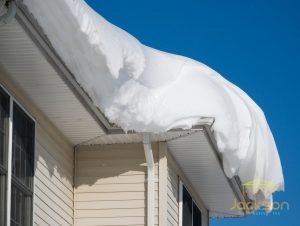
(150,179)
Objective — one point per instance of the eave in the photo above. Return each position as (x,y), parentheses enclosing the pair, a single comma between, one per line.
(111,133)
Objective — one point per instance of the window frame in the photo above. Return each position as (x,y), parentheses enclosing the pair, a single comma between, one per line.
(9,177)
(180,206)
(3,163)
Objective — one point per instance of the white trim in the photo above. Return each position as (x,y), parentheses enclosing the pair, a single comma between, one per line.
(33,178)
(150,179)
(13,100)
(180,202)
(162,184)
(9,160)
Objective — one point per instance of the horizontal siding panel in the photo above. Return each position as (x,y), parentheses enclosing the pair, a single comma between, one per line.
(53,189)
(97,205)
(81,197)
(42,214)
(54,207)
(127,212)
(172,214)
(38,221)
(99,163)
(55,172)
(121,179)
(104,221)
(55,186)
(171,222)
(173,180)
(172,199)
(63,167)
(172,202)
(119,221)
(111,185)
(62,154)
(53,200)
(173,193)
(111,188)
(53,216)
(43,172)
(113,171)
(112,151)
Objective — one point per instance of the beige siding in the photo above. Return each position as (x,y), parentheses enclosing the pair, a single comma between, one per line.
(175,175)
(53,190)
(111,185)
(53,181)
(173,197)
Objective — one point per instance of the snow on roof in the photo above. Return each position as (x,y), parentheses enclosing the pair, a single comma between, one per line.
(146,90)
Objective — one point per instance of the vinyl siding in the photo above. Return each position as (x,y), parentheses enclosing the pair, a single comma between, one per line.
(111,185)
(175,175)
(53,190)
(173,197)
(53,175)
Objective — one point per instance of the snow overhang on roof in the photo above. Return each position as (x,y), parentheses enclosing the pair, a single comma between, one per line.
(240,130)
(27,59)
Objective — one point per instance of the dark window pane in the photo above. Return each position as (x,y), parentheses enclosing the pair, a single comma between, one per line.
(23,147)
(196,215)
(187,208)
(20,213)
(4,116)
(22,168)
(2,198)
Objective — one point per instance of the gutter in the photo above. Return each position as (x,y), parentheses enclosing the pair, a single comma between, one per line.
(37,35)
(234,182)
(150,178)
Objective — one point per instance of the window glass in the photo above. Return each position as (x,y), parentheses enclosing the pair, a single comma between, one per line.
(4,116)
(191,214)
(22,168)
(23,147)
(196,215)
(187,208)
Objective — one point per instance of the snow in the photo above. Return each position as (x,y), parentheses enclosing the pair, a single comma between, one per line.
(146,90)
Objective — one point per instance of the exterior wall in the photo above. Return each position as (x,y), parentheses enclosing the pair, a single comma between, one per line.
(53,190)
(53,181)
(174,176)
(110,186)
(173,197)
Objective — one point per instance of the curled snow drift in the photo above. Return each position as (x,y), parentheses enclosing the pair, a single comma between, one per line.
(143,89)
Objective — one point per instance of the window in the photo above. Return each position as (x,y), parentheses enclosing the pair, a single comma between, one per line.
(16,175)
(4,117)
(190,213)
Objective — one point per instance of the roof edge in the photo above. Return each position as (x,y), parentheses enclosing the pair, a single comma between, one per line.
(35,32)
(234,182)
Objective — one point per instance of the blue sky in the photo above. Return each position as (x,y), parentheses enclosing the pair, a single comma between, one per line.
(254,44)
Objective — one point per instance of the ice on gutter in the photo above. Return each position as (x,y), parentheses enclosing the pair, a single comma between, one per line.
(146,90)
